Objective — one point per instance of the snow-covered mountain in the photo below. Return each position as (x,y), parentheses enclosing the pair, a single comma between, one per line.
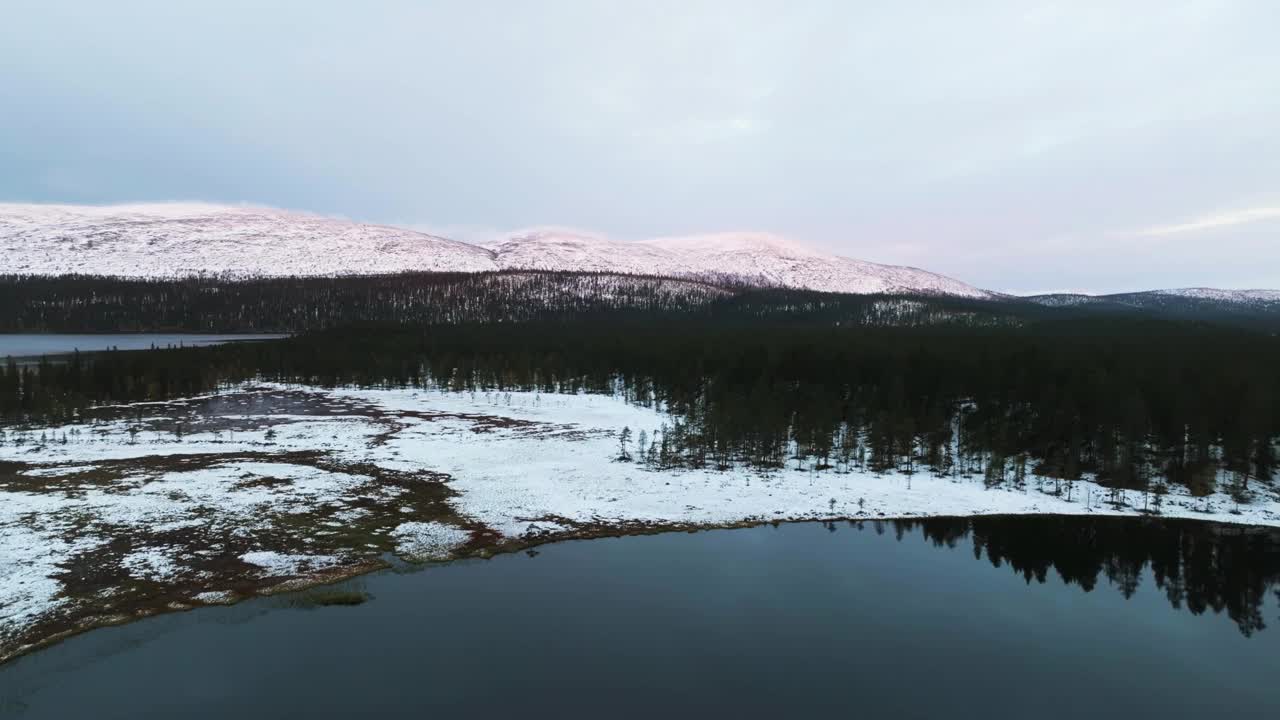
(171,240)
(749,258)
(1261,299)
(1242,297)
(1245,308)
(554,249)
(761,258)
(168,240)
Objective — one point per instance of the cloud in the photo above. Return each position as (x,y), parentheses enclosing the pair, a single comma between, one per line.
(1010,143)
(1213,222)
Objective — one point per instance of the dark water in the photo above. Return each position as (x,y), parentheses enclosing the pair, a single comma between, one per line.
(35,345)
(889,620)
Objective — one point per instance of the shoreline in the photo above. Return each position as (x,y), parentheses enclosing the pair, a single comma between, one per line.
(273,488)
(304,584)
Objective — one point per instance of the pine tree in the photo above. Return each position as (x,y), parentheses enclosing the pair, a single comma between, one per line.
(624,439)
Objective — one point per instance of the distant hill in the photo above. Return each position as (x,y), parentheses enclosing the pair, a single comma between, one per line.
(177,240)
(1238,307)
(184,240)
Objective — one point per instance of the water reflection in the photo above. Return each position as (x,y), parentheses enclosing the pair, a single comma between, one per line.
(1197,566)
(779,621)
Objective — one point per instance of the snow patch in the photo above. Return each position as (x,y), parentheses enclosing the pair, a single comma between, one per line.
(151,564)
(282,564)
(424,541)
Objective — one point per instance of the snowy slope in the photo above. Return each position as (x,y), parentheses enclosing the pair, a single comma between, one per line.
(1240,297)
(169,240)
(750,258)
(761,258)
(1256,299)
(553,249)
(1253,309)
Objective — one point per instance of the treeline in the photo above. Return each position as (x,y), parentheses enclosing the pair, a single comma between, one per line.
(1199,567)
(77,303)
(220,305)
(224,305)
(1137,403)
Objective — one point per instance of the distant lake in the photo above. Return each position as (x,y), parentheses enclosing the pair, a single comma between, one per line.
(1044,617)
(35,345)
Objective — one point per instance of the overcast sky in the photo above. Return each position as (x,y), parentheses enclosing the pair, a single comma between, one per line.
(1017,145)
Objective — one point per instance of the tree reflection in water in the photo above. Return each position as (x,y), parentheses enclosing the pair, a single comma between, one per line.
(1198,566)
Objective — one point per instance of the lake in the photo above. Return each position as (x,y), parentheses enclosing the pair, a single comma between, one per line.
(1045,617)
(35,345)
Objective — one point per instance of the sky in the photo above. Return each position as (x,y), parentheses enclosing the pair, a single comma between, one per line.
(1017,145)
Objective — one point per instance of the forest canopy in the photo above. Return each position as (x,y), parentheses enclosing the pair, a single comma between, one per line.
(760,378)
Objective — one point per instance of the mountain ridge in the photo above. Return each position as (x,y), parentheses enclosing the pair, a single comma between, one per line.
(180,239)
(159,240)
(1149,298)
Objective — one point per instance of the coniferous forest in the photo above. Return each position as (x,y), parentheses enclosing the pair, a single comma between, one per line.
(1007,391)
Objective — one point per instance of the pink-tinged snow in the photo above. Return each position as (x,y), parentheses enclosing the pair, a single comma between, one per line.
(556,249)
(768,259)
(174,240)
(745,257)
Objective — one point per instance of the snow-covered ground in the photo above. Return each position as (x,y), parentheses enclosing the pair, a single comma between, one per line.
(256,498)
